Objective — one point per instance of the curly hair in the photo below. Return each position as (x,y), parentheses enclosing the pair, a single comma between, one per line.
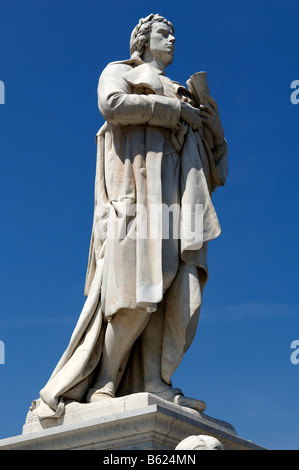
(141,33)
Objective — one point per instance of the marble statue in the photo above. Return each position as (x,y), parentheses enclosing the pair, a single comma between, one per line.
(162,145)
(200,442)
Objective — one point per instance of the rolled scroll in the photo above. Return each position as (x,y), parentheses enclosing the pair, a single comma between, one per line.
(198,86)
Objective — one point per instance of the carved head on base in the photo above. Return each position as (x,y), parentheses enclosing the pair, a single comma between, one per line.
(200,442)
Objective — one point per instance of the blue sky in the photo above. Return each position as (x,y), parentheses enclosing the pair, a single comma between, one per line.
(51,55)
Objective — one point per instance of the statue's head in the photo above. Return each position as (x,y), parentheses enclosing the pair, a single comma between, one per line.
(147,33)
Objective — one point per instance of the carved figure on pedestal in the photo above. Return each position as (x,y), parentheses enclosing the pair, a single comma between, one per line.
(162,146)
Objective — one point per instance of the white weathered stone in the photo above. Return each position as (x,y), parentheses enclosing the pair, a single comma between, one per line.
(136,422)
(162,145)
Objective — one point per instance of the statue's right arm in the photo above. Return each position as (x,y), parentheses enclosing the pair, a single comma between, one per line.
(120,106)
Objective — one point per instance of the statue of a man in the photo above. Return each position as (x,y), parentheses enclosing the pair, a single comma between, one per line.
(159,147)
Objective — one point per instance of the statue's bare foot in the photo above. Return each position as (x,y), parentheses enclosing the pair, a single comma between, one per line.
(176,396)
(100,395)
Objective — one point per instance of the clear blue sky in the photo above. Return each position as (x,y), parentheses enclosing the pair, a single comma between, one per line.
(51,55)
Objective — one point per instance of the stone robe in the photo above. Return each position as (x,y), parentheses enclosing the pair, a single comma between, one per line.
(145,157)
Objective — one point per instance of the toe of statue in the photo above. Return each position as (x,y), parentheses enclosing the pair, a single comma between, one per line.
(192,403)
(176,396)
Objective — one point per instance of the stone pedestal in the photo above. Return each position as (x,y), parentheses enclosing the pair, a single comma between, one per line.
(136,422)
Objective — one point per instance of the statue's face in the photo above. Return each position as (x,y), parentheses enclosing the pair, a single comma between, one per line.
(161,42)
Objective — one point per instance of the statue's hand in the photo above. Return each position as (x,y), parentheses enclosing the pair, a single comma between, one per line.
(210,117)
(190,115)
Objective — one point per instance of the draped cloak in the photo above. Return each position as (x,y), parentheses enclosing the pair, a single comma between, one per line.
(126,271)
